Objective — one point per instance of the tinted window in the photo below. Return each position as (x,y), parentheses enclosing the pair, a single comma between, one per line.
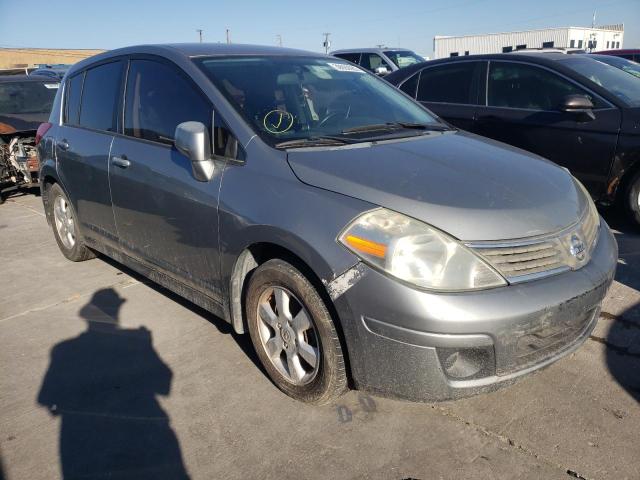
(158,99)
(453,83)
(100,97)
(409,86)
(27,97)
(74,90)
(371,61)
(349,57)
(517,85)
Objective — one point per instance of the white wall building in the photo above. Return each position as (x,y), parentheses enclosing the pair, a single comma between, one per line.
(607,37)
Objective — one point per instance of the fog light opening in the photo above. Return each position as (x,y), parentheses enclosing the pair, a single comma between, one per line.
(467,363)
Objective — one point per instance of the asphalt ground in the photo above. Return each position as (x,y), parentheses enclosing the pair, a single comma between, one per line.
(106,375)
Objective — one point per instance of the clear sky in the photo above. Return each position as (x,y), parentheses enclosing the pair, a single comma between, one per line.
(356,23)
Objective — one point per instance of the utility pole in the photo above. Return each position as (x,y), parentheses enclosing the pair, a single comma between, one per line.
(279,40)
(228,36)
(326,44)
(199,30)
(593,20)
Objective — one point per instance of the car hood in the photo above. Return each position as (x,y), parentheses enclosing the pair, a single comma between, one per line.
(468,186)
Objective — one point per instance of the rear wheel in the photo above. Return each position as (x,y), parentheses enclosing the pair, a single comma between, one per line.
(294,335)
(65,226)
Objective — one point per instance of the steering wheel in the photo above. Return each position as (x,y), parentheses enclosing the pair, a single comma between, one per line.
(342,114)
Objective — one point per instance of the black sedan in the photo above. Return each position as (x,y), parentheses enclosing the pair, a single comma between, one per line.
(572,109)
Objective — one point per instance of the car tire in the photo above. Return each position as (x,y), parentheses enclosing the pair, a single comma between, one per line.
(632,199)
(288,323)
(65,227)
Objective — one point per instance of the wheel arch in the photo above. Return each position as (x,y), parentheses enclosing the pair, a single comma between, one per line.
(249,260)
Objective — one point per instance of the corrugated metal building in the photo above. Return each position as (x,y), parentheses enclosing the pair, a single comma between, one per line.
(607,37)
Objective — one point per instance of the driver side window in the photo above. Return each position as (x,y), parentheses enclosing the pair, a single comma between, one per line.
(159,98)
(518,85)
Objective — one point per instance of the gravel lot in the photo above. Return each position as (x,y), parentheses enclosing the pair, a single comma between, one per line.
(173,379)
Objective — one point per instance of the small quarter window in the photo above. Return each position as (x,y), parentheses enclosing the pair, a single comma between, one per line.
(72,105)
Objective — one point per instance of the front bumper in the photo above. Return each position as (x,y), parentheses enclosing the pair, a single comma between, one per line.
(427,346)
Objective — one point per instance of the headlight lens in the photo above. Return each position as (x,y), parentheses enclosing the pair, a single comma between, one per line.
(416,253)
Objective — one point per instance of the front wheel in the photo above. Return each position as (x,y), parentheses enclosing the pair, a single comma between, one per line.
(294,335)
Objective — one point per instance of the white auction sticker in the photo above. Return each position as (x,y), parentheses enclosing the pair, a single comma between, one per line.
(51,85)
(345,67)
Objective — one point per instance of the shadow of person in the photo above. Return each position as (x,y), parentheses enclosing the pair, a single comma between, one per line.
(103,386)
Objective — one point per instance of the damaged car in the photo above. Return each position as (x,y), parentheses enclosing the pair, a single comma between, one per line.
(25,103)
(359,240)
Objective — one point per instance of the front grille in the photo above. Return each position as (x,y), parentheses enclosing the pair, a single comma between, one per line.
(522,260)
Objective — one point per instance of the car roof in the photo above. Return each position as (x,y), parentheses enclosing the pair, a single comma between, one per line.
(621,51)
(549,59)
(26,78)
(192,50)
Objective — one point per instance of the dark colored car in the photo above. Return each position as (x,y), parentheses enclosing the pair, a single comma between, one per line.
(357,239)
(632,54)
(572,109)
(25,103)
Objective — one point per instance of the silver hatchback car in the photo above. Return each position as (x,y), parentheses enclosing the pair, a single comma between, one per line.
(358,239)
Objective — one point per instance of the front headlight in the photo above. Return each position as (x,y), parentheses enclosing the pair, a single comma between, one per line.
(416,253)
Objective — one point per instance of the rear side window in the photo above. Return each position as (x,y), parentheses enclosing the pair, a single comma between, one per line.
(100,97)
(74,91)
(452,83)
(158,99)
(349,57)
(517,85)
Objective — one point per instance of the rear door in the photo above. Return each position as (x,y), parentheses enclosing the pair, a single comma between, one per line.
(83,143)
(165,218)
(522,109)
(451,91)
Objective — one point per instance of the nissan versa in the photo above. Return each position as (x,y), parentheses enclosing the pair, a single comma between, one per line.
(358,239)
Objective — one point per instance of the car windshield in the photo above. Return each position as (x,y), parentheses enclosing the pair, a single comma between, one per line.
(622,63)
(298,98)
(403,58)
(624,86)
(27,97)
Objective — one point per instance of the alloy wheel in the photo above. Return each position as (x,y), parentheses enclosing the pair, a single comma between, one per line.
(65,223)
(288,335)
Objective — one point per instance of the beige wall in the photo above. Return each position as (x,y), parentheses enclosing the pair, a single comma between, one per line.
(22,57)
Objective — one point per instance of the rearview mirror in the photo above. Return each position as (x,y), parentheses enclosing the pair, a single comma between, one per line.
(381,71)
(192,140)
(579,104)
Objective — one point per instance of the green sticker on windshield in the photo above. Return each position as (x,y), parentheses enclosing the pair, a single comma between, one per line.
(278,121)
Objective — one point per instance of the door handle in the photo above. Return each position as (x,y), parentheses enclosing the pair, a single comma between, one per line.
(121,162)
(63,144)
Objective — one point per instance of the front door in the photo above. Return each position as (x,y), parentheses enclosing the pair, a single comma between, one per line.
(165,218)
(523,110)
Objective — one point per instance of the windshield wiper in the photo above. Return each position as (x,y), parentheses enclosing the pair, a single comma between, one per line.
(312,142)
(385,127)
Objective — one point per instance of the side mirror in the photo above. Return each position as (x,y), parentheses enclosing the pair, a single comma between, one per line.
(381,71)
(192,140)
(578,104)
